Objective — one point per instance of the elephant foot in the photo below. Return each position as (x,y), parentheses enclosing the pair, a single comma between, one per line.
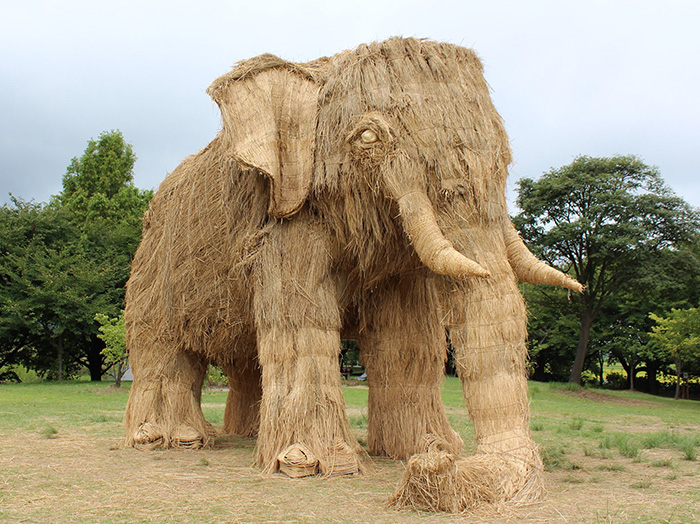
(343,460)
(150,436)
(437,481)
(187,437)
(298,461)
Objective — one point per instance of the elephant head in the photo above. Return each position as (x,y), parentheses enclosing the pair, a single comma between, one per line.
(410,119)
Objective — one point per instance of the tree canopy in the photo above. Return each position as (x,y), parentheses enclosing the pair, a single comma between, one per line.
(678,334)
(68,260)
(605,220)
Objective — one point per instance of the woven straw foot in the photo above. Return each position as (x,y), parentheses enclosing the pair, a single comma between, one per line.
(437,481)
(149,436)
(186,437)
(343,461)
(298,460)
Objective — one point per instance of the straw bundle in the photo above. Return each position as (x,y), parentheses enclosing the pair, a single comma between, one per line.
(433,481)
(436,481)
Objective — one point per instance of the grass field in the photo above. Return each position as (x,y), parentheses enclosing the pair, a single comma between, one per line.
(610,458)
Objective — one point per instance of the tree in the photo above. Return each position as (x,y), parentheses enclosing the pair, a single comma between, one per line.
(112,333)
(550,331)
(596,217)
(679,335)
(65,261)
(47,287)
(106,208)
(656,283)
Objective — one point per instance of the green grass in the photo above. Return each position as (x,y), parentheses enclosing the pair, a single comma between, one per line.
(576,424)
(536,425)
(689,450)
(662,463)
(627,446)
(49,432)
(611,467)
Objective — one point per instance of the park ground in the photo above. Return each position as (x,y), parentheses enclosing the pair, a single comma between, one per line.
(613,458)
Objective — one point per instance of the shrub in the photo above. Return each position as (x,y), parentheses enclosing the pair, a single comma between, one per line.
(216,377)
(616,380)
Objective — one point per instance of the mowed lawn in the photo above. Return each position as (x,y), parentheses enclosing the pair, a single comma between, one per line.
(610,458)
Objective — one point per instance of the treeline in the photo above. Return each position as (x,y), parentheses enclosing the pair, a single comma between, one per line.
(68,260)
(614,225)
(611,223)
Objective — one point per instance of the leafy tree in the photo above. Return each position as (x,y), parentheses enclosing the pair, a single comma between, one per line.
(550,330)
(106,208)
(47,287)
(112,333)
(65,261)
(679,335)
(597,217)
(659,281)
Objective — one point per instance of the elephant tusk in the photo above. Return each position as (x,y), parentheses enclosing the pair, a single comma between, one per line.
(529,268)
(431,246)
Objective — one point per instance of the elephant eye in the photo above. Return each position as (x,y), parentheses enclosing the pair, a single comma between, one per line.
(369,136)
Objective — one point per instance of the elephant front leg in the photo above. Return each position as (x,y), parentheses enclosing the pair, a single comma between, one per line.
(164,407)
(302,411)
(490,354)
(403,348)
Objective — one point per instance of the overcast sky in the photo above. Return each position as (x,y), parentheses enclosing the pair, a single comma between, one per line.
(569,77)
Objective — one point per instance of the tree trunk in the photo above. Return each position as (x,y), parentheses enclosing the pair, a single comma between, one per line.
(59,351)
(582,349)
(652,371)
(632,373)
(678,379)
(118,374)
(601,365)
(95,359)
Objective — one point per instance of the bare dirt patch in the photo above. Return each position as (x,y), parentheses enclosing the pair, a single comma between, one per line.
(598,396)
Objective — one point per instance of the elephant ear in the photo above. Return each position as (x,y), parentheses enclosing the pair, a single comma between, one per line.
(270,109)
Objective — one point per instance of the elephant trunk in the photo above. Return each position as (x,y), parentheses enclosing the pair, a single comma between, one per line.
(529,269)
(433,249)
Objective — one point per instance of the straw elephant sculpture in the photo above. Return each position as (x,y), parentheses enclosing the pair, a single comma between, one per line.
(358,195)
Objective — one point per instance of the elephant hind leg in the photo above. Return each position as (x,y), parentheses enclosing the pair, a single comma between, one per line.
(403,348)
(242,415)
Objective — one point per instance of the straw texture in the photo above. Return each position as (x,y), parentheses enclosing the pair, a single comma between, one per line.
(358,194)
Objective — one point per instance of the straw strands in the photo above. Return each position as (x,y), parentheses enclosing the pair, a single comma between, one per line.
(358,194)
(436,481)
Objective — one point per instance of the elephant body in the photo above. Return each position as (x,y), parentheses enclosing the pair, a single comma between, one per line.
(362,195)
